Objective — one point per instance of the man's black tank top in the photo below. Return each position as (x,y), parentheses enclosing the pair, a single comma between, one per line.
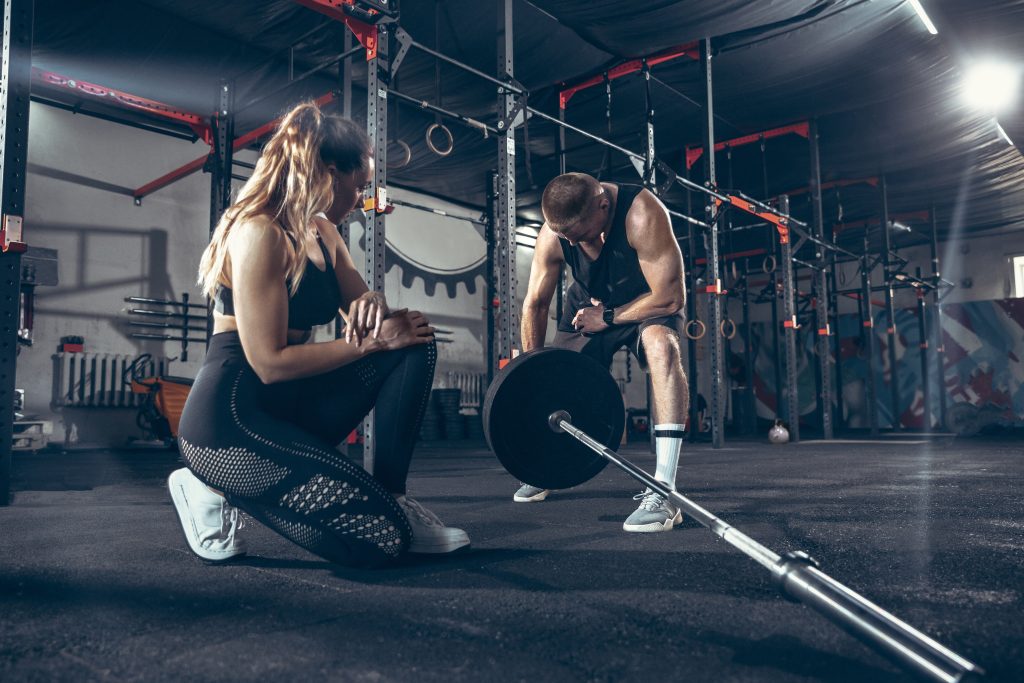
(315,302)
(615,277)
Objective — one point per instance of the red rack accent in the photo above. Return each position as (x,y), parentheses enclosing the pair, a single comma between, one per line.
(872,181)
(802,129)
(197,123)
(197,164)
(365,33)
(781,224)
(632,66)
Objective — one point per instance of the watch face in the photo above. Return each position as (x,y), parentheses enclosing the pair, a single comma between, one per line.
(608,315)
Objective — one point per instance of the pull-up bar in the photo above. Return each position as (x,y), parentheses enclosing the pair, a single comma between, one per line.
(688,50)
(693,152)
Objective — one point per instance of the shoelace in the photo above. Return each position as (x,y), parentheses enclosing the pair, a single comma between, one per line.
(230,519)
(424,515)
(652,500)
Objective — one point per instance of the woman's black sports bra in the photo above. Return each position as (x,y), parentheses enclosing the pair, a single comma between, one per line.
(316,301)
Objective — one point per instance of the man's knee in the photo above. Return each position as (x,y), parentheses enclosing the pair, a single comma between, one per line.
(661,347)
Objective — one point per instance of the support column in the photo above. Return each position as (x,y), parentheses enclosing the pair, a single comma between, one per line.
(940,345)
(14,111)
(790,394)
(691,314)
(821,285)
(890,305)
(221,167)
(868,327)
(712,280)
(373,256)
(507,311)
(491,266)
(837,349)
(562,270)
(345,83)
(922,333)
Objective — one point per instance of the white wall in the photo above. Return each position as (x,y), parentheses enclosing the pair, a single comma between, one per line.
(81,172)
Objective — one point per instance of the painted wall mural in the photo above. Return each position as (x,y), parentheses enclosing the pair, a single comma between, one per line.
(983,377)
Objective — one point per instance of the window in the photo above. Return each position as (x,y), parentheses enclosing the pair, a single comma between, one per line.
(1018,275)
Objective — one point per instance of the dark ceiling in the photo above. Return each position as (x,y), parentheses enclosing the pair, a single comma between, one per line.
(884,91)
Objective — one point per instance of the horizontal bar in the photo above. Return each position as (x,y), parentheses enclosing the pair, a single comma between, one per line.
(693,152)
(632,66)
(439,212)
(872,181)
(733,256)
(423,104)
(301,77)
(191,137)
(127,100)
(165,326)
(165,337)
(165,314)
(465,67)
(161,302)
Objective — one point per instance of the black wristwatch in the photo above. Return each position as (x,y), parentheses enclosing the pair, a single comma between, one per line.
(608,316)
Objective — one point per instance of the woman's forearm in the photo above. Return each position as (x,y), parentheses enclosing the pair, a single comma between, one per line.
(306,360)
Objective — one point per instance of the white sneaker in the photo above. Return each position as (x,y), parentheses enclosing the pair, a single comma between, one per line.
(208,521)
(429,534)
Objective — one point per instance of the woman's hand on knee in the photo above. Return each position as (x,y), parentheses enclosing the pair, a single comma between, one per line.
(405,328)
(365,317)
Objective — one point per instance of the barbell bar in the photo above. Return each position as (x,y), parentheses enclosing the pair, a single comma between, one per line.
(524,403)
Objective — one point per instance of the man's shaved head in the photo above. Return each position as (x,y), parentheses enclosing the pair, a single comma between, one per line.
(568,198)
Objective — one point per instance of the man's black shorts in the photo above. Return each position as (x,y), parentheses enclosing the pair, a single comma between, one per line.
(603,345)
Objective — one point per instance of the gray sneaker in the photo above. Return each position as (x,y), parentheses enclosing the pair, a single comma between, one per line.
(530,494)
(654,514)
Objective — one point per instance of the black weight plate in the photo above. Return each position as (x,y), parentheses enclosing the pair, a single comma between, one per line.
(527,391)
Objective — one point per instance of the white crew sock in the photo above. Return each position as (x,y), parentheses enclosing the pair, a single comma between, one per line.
(668,441)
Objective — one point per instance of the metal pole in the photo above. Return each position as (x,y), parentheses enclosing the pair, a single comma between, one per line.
(345,78)
(890,305)
(562,270)
(712,279)
(493,258)
(821,284)
(799,578)
(691,314)
(14,119)
(221,164)
(791,394)
(750,396)
(507,328)
(922,333)
(940,345)
(373,257)
(837,349)
(868,326)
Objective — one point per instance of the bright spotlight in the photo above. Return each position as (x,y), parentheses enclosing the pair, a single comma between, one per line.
(991,86)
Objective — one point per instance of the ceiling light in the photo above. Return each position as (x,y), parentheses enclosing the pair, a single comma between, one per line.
(991,86)
(916,4)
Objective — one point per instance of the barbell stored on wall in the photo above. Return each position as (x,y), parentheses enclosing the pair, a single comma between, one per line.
(552,415)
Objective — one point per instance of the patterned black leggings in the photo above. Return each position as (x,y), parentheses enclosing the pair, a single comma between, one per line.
(271,448)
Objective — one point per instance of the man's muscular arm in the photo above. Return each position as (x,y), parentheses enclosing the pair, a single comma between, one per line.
(544,273)
(649,231)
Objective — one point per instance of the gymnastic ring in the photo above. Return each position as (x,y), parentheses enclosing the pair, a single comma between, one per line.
(406,155)
(434,148)
(734,270)
(732,328)
(695,335)
(769,259)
